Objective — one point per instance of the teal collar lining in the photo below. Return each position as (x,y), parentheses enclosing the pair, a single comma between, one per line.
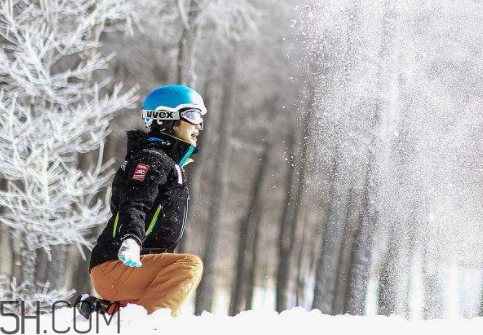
(187,155)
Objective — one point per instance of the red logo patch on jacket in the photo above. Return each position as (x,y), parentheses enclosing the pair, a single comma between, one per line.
(140,172)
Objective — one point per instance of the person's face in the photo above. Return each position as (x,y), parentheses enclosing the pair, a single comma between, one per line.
(187,132)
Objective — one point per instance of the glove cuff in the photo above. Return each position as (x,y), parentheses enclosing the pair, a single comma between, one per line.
(131,236)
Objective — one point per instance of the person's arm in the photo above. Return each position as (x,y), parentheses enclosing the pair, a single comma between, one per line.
(144,175)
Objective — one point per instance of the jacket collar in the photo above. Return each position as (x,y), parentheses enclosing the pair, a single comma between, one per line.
(177,149)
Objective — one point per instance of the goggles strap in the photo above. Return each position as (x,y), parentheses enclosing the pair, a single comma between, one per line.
(160,115)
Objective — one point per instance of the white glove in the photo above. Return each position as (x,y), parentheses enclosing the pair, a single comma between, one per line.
(129,253)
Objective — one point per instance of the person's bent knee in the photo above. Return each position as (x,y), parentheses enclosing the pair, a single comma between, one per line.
(195,260)
(101,284)
(195,264)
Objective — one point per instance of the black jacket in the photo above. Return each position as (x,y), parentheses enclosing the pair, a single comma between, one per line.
(149,197)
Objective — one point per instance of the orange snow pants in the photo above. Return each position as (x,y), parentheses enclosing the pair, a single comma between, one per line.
(163,281)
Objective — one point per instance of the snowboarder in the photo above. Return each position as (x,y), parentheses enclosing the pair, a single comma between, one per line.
(133,260)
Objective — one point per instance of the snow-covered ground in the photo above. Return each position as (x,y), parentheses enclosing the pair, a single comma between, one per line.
(297,321)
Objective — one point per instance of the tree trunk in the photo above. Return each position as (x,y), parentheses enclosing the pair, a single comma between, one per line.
(359,271)
(341,286)
(56,273)
(361,254)
(185,73)
(285,237)
(395,279)
(326,273)
(433,281)
(6,254)
(302,265)
(295,192)
(387,294)
(42,266)
(252,273)
(28,259)
(15,269)
(204,297)
(246,240)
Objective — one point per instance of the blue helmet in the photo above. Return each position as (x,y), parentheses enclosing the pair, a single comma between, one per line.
(166,102)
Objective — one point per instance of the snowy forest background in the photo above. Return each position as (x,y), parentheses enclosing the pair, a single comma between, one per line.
(340,166)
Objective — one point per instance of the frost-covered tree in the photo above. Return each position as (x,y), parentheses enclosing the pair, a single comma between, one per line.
(194,24)
(51,110)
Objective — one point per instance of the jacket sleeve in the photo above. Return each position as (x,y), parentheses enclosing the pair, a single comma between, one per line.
(144,175)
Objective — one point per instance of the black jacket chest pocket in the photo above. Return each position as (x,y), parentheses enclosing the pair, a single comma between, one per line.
(175,191)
